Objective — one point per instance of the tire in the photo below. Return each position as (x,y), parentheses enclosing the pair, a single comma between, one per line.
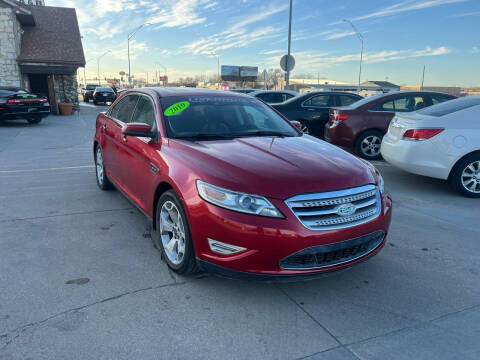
(179,255)
(305,128)
(465,177)
(368,144)
(95,102)
(86,99)
(34,120)
(103,181)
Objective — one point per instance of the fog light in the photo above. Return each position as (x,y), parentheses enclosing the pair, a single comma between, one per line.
(224,249)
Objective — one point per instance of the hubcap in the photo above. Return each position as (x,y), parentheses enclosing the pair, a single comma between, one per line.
(471,177)
(371,145)
(304,129)
(99,165)
(172,232)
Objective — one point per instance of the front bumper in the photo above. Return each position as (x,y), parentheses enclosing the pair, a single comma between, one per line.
(268,241)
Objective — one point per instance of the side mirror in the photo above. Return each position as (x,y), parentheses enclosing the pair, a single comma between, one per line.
(138,129)
(297,125)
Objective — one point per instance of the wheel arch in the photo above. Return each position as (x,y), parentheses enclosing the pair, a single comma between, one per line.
(477,151)
(162,187)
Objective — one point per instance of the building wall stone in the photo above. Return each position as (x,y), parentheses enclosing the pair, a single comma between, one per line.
(10,39)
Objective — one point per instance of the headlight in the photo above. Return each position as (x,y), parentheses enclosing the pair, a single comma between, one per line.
(237,201)
(381,184)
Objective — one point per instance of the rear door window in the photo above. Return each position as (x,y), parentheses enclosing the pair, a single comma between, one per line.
(346,100)
(123,110)
(449,107)
(437,99)
(319,101)
(384,106)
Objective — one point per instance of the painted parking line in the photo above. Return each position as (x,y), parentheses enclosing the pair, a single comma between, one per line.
(46,169)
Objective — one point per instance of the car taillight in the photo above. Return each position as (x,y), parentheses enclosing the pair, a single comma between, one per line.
(13,101)
(421,134)
(340,117)
(44,100)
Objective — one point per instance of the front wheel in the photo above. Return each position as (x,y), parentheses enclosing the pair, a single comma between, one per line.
(465,176)
(102,180)
(368,144)
(173,236)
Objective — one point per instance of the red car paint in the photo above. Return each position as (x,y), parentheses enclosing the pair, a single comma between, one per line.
(276,168)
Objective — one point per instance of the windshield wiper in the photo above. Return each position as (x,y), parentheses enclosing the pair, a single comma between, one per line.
(263,133)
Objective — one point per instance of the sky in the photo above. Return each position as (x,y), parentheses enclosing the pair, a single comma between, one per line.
(400,37)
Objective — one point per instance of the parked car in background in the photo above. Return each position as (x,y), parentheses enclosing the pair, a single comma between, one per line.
(103,95)
(232,187)
(243,91)
(361,125)
(273,96)
(88,94)
(312,109)
(442,141)
(18,103)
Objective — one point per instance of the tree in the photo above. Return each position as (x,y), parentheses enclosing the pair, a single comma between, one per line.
(272,77)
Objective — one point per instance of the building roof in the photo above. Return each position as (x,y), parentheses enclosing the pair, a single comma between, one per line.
(55,38)
(382,84)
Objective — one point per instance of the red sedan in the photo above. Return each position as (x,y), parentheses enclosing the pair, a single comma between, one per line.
(232,187)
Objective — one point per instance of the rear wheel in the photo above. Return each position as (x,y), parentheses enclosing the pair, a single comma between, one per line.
(34,120)
(102,180)
(173,236)
(368,144)
(465,176)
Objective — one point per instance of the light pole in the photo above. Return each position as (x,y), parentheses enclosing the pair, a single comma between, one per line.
(128,50)
(287,78)
(98,65)
(360,37)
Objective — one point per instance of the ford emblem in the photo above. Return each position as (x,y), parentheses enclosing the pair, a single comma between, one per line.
(346,209)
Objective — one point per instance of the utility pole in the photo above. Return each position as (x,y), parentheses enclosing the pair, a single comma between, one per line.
(423,77)
(360,37)
(128,50)
(287,80)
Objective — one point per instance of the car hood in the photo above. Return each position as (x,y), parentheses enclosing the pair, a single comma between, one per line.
(272,166)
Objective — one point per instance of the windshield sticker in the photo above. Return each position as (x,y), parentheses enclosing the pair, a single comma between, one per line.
(177,108)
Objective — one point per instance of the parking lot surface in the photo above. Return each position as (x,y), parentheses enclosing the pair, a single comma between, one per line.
(80,278)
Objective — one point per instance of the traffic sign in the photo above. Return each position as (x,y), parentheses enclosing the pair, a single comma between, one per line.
(283,62)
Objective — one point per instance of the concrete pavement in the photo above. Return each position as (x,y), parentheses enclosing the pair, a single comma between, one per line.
(80,279)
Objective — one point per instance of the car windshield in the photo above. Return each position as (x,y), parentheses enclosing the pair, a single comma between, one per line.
(451,106)
(221,117)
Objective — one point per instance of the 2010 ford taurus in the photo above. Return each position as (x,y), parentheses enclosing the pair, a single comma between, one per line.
(232,187)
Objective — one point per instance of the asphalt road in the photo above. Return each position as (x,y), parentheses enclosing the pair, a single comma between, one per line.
(80,279)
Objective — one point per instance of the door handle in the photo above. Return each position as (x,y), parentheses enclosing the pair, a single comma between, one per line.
(125,138)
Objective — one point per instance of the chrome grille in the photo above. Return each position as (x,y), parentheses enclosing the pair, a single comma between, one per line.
(336,209)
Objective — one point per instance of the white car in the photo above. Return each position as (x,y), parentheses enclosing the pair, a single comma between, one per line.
(441,141)
(273,96)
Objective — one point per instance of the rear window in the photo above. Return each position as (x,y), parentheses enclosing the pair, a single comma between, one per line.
(99,89)
(451,106)
(91,87)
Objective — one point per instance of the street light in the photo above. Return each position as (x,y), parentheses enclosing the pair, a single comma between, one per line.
(360,37)
(98,65)
(128,49)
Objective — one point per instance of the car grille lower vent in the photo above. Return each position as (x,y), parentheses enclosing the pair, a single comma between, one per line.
(336,209)
(322,256)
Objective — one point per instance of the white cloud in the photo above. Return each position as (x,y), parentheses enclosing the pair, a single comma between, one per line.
(404,6)
(307,60)
(338,35)
(179,13)
(473,13)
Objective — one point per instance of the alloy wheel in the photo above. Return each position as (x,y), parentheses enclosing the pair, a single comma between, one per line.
(99,165)
(471,177)
(370,146)
(304,129)
(172,232)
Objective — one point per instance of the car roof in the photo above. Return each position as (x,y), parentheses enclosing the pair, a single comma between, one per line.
(178,91)
(273,91)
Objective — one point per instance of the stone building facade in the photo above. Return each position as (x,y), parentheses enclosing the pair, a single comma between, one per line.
(40,50)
